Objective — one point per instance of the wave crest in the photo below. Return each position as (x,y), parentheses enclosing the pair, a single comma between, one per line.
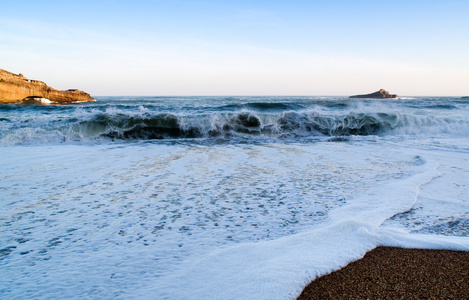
(244,124)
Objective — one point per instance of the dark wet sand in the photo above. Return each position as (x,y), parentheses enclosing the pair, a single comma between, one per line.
(397,273)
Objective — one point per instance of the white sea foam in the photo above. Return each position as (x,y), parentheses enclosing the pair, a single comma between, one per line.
(151,220)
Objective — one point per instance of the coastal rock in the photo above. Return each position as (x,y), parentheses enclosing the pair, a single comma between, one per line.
(381,94)
(16,88)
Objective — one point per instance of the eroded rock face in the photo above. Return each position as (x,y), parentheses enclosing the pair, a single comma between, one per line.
(14,88)
(381,94)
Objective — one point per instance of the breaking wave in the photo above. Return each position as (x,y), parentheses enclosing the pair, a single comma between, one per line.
(234,125)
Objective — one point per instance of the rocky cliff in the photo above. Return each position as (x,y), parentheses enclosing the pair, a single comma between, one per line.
(15,88)
(381,94)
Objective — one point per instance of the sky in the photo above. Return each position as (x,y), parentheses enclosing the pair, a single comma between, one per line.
(238,47)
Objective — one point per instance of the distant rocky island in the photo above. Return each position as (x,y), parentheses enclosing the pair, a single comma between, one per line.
(381,94)
(16,88)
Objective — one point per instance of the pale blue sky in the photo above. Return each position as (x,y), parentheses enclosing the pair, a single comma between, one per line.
(178,47)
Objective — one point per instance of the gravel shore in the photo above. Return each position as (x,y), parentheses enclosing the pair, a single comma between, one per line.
(397,273)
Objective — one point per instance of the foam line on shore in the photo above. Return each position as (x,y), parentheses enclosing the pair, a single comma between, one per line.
(281,268)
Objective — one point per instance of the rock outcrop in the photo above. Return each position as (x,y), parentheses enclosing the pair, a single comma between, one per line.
(16,88)
(381,94)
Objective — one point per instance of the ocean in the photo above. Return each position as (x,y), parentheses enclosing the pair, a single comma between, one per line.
(222,197)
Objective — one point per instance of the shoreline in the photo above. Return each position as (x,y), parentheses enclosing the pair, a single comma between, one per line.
(391,273)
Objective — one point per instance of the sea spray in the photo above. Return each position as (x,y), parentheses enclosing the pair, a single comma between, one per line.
(249,122)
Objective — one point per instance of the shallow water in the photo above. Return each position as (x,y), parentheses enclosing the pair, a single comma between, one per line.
(231,198)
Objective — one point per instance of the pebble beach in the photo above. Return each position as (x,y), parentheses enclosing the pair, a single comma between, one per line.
(397,273)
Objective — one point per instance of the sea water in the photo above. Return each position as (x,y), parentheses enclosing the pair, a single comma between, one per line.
(222,197)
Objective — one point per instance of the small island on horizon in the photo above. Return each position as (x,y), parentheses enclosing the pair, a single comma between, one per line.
(381,94)
(15,88)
